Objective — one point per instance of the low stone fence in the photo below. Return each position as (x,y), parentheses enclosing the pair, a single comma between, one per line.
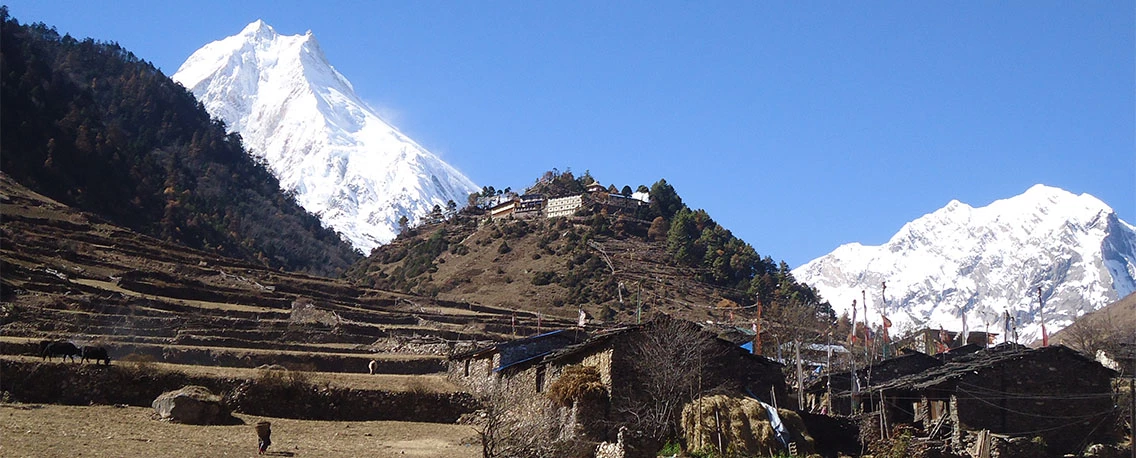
(139,384)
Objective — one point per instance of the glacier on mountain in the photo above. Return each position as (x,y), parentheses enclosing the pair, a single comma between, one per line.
(983,262)
(296,112)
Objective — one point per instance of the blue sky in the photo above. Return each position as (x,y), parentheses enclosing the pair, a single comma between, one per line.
(799,126)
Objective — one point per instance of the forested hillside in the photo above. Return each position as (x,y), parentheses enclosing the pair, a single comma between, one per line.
(658,257)
(95,127)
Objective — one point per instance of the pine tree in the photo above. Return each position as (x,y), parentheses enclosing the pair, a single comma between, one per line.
(665,201)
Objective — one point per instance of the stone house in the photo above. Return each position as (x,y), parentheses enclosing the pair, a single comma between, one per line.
(610,352)
(523,371)
(1053,392)
(479,370)
(838,386)
(620,204)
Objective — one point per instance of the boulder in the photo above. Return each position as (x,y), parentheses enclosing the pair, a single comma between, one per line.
(194,405)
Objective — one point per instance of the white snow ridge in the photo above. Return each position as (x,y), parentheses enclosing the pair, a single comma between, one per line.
(986,261)
(292,108)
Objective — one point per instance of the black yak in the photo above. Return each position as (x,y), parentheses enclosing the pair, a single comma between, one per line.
(60,348)
(95,354)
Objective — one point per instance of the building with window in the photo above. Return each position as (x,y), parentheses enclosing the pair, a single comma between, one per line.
(563,206)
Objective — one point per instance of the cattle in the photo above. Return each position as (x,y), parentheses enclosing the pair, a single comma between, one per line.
(373,367)
(95,354)
(61,348)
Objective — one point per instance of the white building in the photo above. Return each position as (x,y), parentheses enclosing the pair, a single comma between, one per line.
(563,206)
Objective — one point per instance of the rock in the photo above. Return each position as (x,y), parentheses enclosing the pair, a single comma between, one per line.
(1104,451)
(194,405)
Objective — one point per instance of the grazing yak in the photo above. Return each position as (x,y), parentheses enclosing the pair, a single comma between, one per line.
(60,348)
(95,354)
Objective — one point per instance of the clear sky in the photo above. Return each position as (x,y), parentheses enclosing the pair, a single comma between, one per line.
(800,126)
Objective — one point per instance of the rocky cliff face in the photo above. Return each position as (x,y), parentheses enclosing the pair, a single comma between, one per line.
(961,262)
(294,110)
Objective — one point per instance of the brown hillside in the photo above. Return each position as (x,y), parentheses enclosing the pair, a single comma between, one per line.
(1112,324)
(70,275)
(551,266)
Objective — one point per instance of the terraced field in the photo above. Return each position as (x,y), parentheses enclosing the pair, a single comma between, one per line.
(69,275)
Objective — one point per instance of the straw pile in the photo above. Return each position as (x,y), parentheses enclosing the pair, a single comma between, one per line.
(738,425)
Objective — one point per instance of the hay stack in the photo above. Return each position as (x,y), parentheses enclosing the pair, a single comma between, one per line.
(741,423)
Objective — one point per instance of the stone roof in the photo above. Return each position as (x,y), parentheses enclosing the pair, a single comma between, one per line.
(981,360)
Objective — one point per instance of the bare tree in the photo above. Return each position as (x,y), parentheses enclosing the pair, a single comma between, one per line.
(667,366)
(514,425)
(1089,334)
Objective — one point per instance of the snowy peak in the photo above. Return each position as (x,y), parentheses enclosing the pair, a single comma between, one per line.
(297,112)
(258,30)
(981,262)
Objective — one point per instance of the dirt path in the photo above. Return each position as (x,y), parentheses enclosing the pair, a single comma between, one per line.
(31,430)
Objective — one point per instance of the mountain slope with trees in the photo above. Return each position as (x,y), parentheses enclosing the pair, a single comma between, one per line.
(662,257)
(97,128)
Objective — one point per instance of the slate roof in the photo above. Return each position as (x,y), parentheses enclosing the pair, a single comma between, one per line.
(974,362)
(912,362)
(497,347)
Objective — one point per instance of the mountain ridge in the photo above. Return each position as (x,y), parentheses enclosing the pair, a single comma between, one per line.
(986,261)
(93,126)
(303,117)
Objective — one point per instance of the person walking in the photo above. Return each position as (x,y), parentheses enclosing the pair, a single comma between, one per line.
(264,434)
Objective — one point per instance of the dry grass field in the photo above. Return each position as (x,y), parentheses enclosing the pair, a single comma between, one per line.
(32,430)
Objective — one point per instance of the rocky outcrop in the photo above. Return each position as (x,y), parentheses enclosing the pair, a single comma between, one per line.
(194,405)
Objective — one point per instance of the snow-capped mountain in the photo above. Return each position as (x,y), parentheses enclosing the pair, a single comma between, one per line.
(292,108)
(985,261)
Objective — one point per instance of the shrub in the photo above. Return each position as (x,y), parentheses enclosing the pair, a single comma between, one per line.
(504,248)
(670,449)
(459,250)
(283,379)
(543,278)
(417,387)
(141,364)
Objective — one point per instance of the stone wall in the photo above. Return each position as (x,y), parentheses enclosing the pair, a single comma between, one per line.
(1062,398)
(125,383)
(474,374)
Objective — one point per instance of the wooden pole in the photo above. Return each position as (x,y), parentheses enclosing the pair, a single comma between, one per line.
(867,339)
(639,299)
(855,401)
(757,332)
(886,342)
(718,429)
(800,377)
(827,405)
